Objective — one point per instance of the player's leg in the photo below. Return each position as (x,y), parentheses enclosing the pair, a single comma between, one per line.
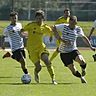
(82,63)
(45,59)
(19,56)
(67,59)
(34,57)
(37,69)
(55,53)
(76,73)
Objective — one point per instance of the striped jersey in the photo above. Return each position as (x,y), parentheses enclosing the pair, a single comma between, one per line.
(69,35)
(14,37)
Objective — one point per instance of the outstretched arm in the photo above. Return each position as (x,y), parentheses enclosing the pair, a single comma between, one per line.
(57,36)
(91,32)
(86,40)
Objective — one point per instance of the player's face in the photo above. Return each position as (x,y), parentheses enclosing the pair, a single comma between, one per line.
(39,18)
(73,21)
(66,14)
(14,19)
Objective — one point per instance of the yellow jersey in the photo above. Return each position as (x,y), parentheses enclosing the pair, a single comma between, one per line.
(35,35)
(61,20)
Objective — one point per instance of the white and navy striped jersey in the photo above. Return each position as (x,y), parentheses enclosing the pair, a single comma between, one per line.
(14,38)
(69,35)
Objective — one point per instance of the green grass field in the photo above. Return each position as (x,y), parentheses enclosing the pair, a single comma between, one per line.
(68,85)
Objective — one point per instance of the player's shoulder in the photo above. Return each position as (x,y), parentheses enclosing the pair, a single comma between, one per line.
(31,23)
(46,25)
(18,24)
(78,28)
(61,17)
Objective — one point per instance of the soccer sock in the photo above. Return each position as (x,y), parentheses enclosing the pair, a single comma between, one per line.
(77,74)
(25,71)
(54,55)
(51,72)
(37,69)
(83,66)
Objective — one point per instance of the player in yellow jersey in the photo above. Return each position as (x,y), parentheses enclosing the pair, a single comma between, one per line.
(35,46)
(60,20)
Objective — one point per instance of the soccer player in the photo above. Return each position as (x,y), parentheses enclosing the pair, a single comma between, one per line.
(91,32)
(35,46)
(13,32)
(60,20)
(68,48)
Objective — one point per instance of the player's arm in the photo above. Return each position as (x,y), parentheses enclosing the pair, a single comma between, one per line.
(5,34)
(86,40)
(3,42)
(91,32)
(57,36)
(24,33)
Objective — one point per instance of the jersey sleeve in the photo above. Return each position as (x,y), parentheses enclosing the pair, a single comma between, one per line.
(80,32)
(47,30)
(20,25)
(59,27)
(5,32)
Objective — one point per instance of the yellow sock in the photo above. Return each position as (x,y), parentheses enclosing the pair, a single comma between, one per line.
(51,72)
(54,55)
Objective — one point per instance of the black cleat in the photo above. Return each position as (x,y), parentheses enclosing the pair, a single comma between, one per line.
(6,55)
(94,57)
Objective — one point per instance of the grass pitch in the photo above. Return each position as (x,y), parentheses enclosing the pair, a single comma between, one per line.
(68,85)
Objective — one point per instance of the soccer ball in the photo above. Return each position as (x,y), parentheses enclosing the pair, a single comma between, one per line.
(26,79)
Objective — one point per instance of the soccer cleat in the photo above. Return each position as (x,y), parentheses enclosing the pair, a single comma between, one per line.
(54,82)
(6,55)
(83,80)
(94,57)
(83,72)
(36,77)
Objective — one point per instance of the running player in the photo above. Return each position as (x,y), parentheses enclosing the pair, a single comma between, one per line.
(13,32)
(68,48)
(60,20)
(35,46)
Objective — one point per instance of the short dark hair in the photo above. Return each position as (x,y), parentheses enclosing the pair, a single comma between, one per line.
(13,13)
(39,12)
(67,9)
(73,18)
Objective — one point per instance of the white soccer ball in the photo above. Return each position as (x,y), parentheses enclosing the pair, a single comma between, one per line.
(26,79)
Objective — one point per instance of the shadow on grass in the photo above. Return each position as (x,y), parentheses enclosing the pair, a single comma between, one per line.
(8,83)
(8,77)
(30,66)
